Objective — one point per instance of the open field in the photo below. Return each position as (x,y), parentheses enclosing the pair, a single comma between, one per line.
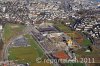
(28,54)
(1,47)
(86,42)
(94,54)
(63,28)
(68,31)
(75,64)
(11,30)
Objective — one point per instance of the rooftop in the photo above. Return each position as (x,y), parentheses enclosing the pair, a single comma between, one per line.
(61,55)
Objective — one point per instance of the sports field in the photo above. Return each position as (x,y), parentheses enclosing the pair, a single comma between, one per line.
(28,54)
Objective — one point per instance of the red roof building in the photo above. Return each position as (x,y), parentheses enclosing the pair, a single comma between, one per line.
(61,55)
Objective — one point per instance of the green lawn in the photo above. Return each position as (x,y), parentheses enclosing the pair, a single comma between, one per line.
(94,54)
(64,28)
(68,31)
(11,30)
(75,64)
(34,44)
(86,42)
(28,54)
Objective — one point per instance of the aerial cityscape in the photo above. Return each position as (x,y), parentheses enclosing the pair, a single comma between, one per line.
(49,32)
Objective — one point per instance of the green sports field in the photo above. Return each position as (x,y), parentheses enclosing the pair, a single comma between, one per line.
(28,54)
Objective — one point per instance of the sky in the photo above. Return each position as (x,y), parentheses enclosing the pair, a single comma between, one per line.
(98,0)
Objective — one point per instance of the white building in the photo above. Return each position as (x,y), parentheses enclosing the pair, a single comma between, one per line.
(0,27)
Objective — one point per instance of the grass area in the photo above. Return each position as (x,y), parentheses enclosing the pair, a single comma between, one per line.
(64,28)
(11,30)
(34,44)
(75,64)
(71,20)
(68,31)
(28,54)
(86,42)
(94,54)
